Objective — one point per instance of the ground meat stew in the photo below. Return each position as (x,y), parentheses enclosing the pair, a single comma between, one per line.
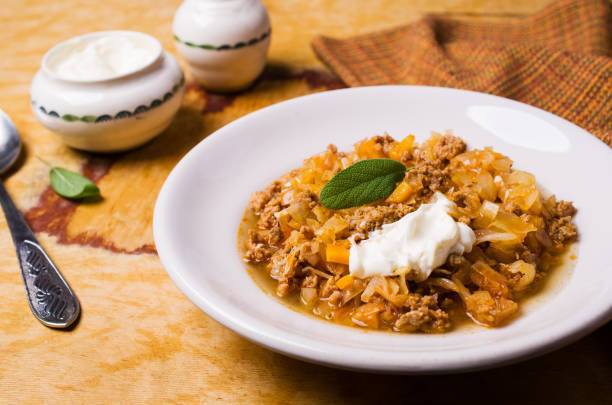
(303,247)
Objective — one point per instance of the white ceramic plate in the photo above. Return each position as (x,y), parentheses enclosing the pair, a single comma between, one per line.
(200,207)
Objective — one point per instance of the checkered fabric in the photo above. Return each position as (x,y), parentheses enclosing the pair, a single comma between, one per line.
(558,59)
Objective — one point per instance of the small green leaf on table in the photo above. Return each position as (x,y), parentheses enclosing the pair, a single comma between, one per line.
(72,185)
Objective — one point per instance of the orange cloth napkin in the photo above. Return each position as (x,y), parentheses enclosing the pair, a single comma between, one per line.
(558,59)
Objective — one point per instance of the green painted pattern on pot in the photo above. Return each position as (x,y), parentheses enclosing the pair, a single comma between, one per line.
(92,119)
(226,47)
(70,118)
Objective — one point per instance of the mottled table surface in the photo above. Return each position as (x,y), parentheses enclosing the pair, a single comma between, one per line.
(139,339)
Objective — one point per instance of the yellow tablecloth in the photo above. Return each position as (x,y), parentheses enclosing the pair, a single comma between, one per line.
(139,339)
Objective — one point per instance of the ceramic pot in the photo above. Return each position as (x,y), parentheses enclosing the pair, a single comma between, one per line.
(112,114)
(225,42)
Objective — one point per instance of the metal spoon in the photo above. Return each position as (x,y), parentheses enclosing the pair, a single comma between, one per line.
(50,297)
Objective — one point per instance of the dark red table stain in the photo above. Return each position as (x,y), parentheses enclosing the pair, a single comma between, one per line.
(315,79)
(52,213)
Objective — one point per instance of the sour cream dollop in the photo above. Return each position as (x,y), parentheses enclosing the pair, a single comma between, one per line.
(416,244)
(103,56)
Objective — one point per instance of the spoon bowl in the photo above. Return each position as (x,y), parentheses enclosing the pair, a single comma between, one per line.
(10,143)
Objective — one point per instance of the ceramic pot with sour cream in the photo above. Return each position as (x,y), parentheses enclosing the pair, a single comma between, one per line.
(107,91)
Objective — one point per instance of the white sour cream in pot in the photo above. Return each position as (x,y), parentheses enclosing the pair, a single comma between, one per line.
(418,243)
(104,57)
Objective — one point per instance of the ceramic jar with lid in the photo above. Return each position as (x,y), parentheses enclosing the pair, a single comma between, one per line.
(225,42)
(99,94)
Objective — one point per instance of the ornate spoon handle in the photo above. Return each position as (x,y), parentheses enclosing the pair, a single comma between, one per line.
(51,298)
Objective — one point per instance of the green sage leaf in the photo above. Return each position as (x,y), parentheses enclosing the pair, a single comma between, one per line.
(364,182)
(72,185)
